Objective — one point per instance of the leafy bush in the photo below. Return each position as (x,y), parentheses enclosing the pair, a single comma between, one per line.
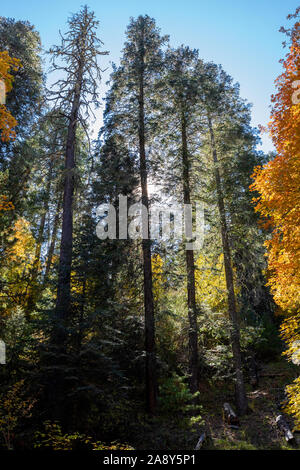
(13,408)
(175,396)
(54,438)
(293,405)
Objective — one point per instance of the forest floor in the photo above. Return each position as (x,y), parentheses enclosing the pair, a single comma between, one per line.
(258,430)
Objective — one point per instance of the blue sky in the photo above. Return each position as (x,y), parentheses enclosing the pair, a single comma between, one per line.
(241,35)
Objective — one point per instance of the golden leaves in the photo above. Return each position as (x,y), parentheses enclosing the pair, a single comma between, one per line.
(7,121)
(278,185)
(5,204)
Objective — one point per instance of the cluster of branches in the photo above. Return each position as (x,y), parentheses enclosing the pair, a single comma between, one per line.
(101,318)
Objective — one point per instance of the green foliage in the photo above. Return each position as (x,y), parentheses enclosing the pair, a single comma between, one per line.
(215,347)
(101,362)
(13,408)
(269,347)
(53,437)
(175,397)
(223,444)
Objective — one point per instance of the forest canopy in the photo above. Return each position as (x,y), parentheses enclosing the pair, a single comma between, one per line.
(149,277)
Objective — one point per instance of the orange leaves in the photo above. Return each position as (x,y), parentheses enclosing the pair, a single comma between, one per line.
(5,204)
(8,64)
(7,121)
(278,185)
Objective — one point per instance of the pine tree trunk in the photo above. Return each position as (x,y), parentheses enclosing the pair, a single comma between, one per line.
(81,316)
(59,338)
(65,257)
(190,268)
(241,399)
(151,382)
(34,289)
(53,239)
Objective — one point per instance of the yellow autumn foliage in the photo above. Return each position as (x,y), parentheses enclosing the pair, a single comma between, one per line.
(278,186)
(19,257)
(5,204)
(211,282)
(7,121)
(157,277)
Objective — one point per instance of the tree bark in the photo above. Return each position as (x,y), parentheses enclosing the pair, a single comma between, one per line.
(190,268)
(35,289)
(151,380)
(241,399)
(59,337)
(65,257)
(53,240)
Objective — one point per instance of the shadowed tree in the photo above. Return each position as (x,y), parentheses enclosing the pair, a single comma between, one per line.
(73,95)
(132,103)
(221,103)
(142,62)
(182,95)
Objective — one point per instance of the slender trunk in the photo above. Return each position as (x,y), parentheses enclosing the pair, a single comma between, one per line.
(53,239)
(34,289)
(190,268)
(81,316)
(65,257)
(241,399)
(58,387)
(151,382)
